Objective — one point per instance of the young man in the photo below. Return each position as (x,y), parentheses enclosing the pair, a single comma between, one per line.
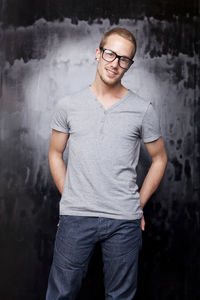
(104,125)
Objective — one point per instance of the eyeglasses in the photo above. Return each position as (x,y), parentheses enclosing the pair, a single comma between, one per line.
(109,55)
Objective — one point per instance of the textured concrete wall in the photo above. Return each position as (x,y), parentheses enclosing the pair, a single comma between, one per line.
(43,60)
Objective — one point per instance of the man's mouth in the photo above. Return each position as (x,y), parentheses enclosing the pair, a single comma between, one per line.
(111,73)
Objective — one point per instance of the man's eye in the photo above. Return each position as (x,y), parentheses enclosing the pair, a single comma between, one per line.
(109,53)
(125,59)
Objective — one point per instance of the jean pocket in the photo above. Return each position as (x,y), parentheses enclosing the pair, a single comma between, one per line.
(64,218)
(62,225)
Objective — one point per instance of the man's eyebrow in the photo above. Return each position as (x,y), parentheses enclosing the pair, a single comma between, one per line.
(118,54)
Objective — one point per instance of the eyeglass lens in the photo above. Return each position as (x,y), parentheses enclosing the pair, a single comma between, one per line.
(109,56)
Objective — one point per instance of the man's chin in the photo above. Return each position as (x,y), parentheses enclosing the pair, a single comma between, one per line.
(111,82)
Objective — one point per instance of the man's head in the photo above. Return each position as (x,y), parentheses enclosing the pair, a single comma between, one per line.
(124,33)
(115,53)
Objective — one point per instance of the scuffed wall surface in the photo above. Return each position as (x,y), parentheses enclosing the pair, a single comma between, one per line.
(48,59)
(25,12)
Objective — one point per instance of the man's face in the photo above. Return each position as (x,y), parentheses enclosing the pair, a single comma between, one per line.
(110,72)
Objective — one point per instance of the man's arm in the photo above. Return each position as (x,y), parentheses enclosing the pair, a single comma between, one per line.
(58,142)
(158,155)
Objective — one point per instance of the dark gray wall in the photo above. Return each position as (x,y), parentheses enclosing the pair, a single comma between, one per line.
(46,51)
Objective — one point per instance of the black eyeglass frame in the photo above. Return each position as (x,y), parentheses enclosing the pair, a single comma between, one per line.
(116,56)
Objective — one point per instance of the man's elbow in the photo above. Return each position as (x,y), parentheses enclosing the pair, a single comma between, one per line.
(54,155)
(160,160)
(163,160)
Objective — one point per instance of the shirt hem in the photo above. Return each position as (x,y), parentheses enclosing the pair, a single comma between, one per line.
(104,215)
(59,129)
(151,139)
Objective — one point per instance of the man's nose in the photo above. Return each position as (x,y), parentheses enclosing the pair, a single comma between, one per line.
(115,62)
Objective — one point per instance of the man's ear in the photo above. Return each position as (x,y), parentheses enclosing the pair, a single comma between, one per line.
(97,54)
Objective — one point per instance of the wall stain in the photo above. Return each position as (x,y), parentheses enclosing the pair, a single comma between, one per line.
(178,167)
(187,169)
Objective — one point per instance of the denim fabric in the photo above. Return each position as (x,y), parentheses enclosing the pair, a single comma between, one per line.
(76,237)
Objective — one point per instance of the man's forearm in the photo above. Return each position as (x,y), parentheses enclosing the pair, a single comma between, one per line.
(58,170)
(152,180)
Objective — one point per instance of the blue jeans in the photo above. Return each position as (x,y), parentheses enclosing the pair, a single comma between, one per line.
(76,237)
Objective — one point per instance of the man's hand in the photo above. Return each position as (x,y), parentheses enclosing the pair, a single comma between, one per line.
(142,223)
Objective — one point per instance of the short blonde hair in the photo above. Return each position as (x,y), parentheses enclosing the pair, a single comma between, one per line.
(121,32)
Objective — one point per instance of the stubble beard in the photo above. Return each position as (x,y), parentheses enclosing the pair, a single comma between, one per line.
(110,83)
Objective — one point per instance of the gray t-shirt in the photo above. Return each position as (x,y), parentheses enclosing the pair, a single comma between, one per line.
(103,153)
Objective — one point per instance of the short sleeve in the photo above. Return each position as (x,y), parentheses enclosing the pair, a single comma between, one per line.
(150,125)
(59,120)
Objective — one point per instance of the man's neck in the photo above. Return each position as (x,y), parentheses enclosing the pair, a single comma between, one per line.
(102,89)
